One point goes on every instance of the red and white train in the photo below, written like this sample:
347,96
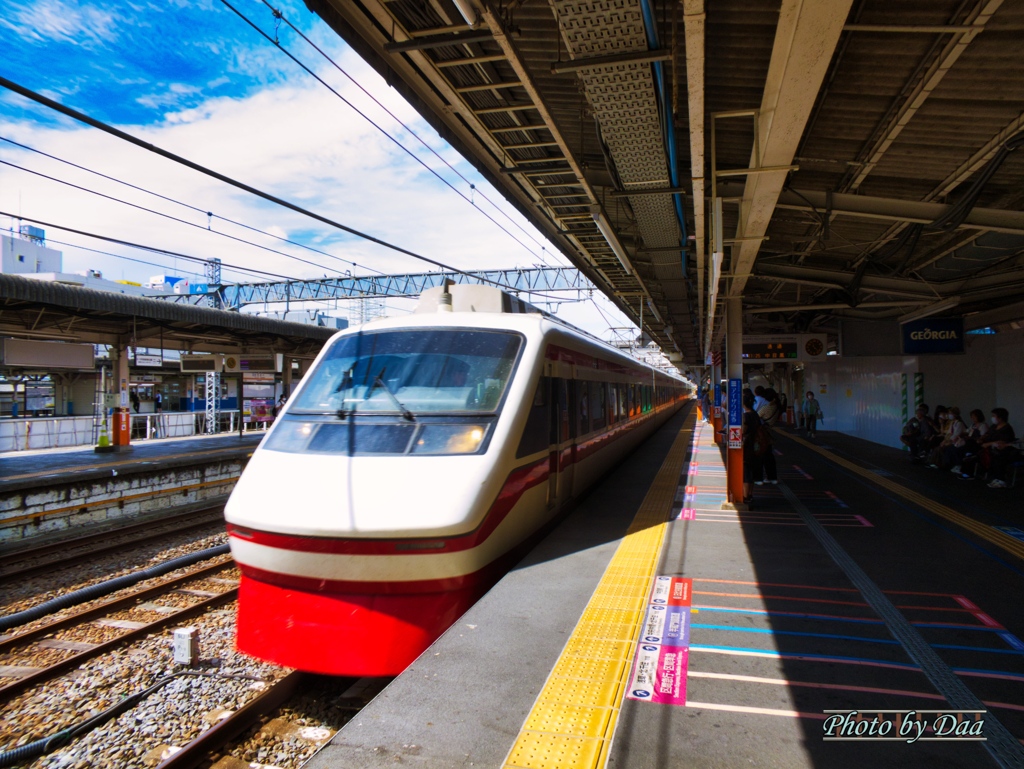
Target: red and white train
418,460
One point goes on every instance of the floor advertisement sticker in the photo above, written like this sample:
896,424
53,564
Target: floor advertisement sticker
659,671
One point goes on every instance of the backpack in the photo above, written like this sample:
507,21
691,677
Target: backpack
771,413
762,440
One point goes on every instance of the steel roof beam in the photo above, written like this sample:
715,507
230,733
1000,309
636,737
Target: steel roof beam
436,41
963,287
693,30
896,210
926,87
805,39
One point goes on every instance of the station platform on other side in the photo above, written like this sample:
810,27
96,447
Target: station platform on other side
20,470
656,627
57,494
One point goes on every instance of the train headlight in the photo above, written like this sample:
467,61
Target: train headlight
449,439
290,436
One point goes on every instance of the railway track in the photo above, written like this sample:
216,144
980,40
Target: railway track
270,728
40,642
43,558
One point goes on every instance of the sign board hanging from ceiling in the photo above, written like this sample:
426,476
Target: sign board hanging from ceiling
933,336
48,355
802,348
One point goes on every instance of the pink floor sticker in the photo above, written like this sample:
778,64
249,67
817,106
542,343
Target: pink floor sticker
659,675
659,671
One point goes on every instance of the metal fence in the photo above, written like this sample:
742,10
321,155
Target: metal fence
59,432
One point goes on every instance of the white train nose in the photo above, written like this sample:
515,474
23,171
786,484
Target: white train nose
340,496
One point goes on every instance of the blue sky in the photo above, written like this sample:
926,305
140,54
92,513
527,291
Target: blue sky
192,77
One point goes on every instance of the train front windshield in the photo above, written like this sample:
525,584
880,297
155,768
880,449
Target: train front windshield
412,373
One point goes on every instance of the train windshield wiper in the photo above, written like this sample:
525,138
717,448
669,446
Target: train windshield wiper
379,382
345,384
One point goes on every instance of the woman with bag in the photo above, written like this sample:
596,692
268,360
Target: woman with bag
769,414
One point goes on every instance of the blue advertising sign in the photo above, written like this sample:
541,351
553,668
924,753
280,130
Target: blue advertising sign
933,336
735,402
718,394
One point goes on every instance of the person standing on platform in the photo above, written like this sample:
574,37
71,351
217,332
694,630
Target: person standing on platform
752,470
158,406
759,399
133,396
811,410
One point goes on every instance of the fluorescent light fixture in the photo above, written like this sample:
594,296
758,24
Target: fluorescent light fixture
932,309
613,241
656,314
468,12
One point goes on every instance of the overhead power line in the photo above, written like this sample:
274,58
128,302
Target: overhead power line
152,249
370,120
186,205
278,14
162,214
109,129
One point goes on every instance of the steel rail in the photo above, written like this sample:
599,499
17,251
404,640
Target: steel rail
9,642
198,752
15,688
146,526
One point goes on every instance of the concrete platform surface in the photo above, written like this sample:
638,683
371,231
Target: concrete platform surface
859,582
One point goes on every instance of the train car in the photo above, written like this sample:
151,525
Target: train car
416,462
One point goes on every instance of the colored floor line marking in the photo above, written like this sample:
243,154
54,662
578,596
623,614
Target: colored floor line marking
756,711
887,641
826,601
840,687
841,618
576,712
984,531
740,651
963,600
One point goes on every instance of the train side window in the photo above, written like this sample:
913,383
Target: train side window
562,404
537,433
583,406
598,414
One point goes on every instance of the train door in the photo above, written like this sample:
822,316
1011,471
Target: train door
565,406
560,465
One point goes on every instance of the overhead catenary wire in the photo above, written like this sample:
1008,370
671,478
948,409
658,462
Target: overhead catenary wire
130,244
242,271
278,14
372,122
165,216
186,205
81,117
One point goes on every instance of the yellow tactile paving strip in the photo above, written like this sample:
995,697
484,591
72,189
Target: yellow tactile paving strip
573,719
996,537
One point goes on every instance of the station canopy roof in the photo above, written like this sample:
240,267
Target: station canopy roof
35,309
861,149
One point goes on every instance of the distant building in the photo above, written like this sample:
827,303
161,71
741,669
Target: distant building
29,256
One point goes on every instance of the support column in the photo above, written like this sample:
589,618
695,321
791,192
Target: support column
122,437
287,377
716,399
734,367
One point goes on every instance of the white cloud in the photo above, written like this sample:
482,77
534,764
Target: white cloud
60,21
299,143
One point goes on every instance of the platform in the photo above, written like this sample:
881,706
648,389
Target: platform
59,493
845,587
20,470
